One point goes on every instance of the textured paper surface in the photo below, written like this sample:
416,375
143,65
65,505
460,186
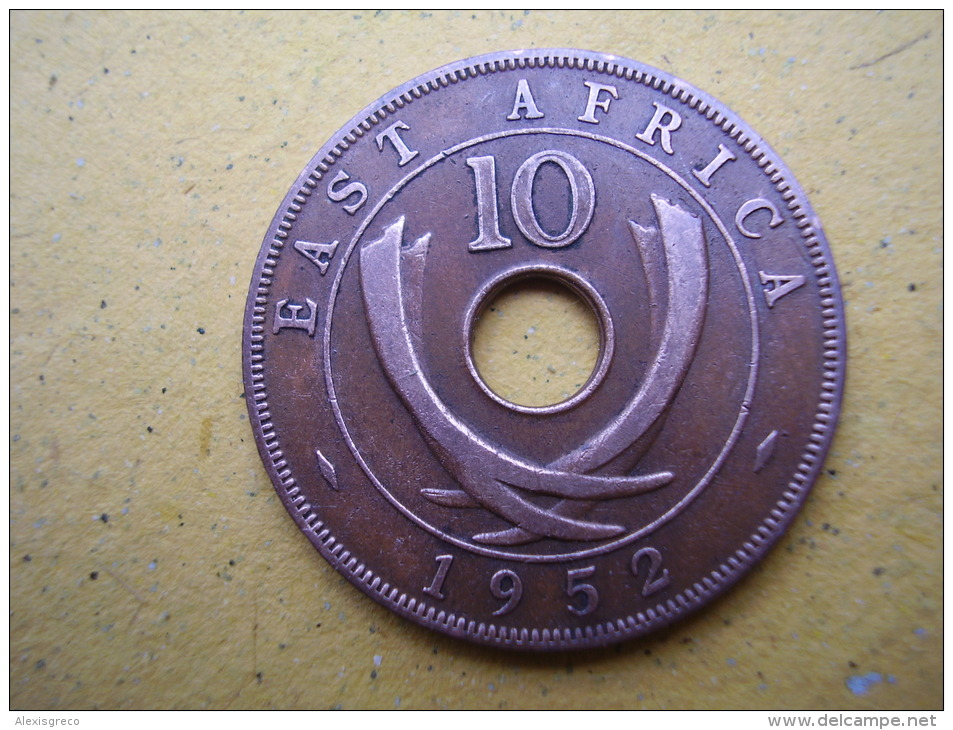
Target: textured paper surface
151,564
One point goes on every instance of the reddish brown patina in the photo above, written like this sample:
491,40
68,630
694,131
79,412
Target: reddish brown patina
707,415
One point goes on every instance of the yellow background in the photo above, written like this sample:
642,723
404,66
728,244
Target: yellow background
151,564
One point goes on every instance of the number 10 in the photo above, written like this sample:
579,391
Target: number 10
489,237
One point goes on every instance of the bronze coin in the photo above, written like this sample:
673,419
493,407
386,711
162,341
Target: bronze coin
709,409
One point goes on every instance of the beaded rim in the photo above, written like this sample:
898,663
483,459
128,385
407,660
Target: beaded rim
770,528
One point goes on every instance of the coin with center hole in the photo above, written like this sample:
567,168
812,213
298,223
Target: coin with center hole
658,474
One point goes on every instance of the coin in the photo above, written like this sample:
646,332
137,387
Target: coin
673,468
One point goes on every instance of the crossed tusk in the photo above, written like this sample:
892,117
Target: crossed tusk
490,477
684,257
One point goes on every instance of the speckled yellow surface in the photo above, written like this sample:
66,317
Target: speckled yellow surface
151,564
536,343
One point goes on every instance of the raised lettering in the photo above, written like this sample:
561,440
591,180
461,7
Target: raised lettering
488,209
435,588
665,128
594,101
506,586
583,199
295,321
780,285
319,254
392,135
654,580
586,590
524,102
341,193
750,207
723,157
